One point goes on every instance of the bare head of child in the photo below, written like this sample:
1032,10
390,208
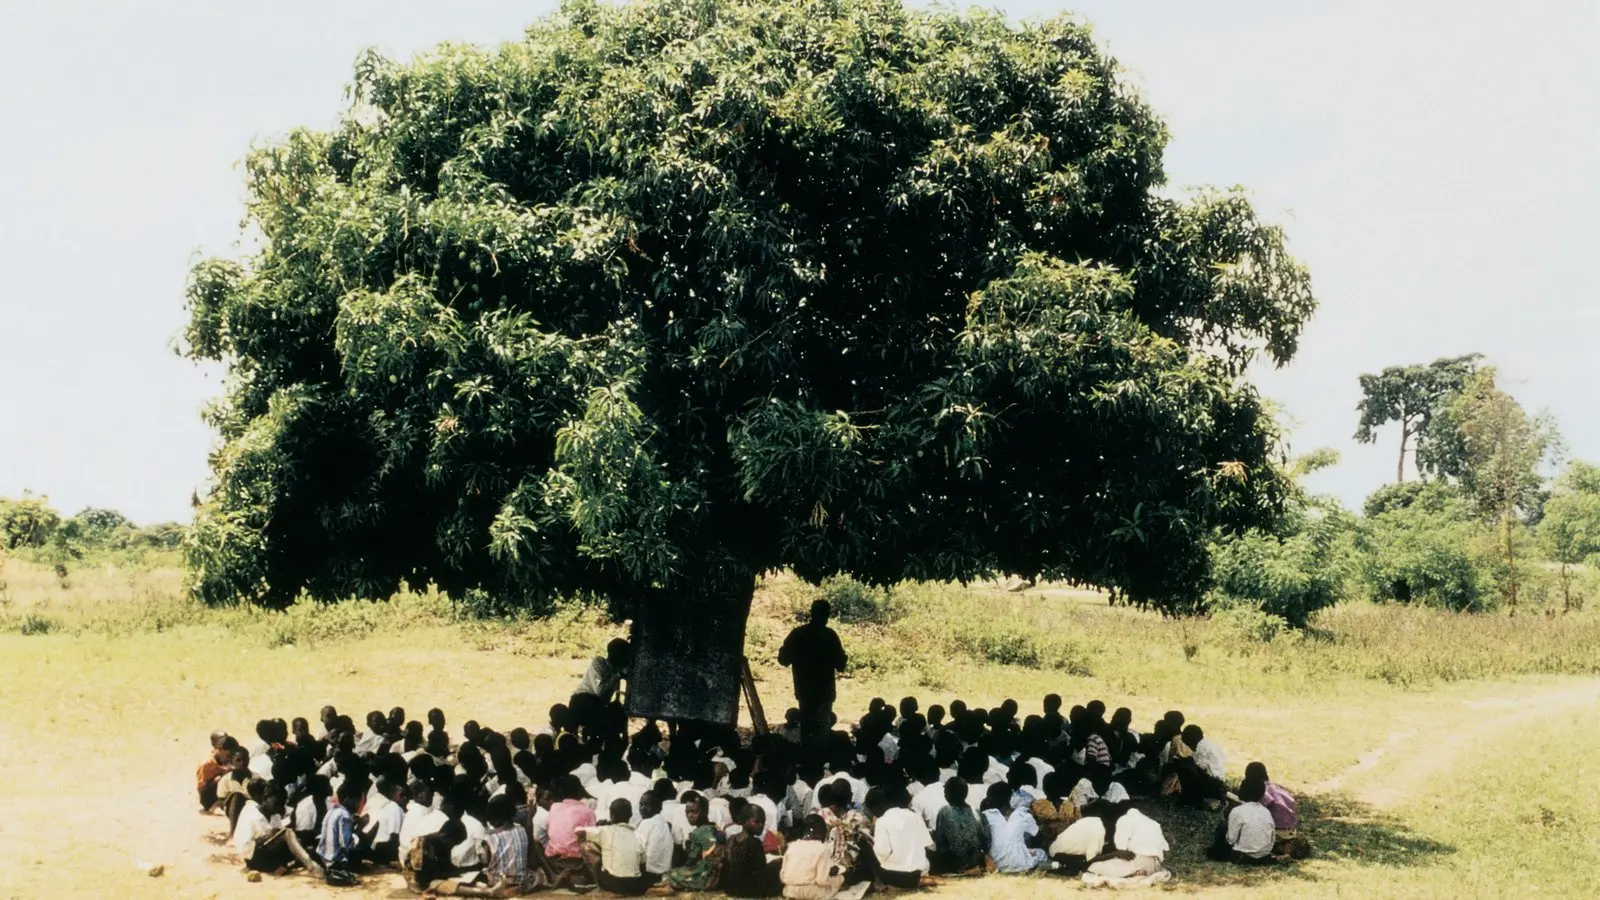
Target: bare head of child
351,794
500,811
754,820
695,809
621,811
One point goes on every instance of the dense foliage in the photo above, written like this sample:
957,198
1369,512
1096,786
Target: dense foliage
669,294
1303,567
1425,550
1414,396
28,521
1569,530
1288,572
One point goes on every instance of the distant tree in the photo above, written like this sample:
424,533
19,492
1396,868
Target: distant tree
1503,449
1412,396
160,536
67,545
669,294
1569,533
104,528
1391,497
29,521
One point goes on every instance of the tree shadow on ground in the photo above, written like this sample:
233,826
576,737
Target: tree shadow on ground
1340,829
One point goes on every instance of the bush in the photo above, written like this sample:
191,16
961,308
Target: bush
1005,643
853,603
1427,554
28,522
1242,626
32,624
1014,642
1288,576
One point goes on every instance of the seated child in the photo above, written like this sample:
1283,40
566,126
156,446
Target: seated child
1248,835
614,854
655,836
746,870
1197,764
1140,850
1285,811
208,773
960,836
563,847
901,841
515,865
379,839
260,838
309,809
1009,831
700,848
808,871
421,819
337,842
1081,842
232,787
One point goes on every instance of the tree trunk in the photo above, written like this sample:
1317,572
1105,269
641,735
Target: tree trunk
1566,587
1511,564
1405,438
688,651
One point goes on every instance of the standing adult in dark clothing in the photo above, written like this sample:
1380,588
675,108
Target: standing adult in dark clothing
815,655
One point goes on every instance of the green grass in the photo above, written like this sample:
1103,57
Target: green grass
1437,754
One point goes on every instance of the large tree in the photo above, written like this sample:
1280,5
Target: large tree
1504,448
668,294
1413,397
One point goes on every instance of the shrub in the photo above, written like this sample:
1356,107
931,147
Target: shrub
853,602
32,624
1288,576
1005,643
1242,626
872,658
27,522
1427,554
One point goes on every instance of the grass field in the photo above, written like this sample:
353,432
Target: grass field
1437,755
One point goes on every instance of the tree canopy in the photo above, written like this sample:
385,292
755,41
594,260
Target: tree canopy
1414,396
1569,531
1503,448
668,294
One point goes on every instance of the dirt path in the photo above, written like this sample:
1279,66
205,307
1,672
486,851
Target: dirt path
1402,766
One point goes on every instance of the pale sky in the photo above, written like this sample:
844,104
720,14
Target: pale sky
1433,162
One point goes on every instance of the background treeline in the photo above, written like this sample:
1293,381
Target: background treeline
32,529
1494,519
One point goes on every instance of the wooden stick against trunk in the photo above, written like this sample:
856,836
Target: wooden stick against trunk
758,718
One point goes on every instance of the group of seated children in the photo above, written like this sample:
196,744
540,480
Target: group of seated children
902,797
